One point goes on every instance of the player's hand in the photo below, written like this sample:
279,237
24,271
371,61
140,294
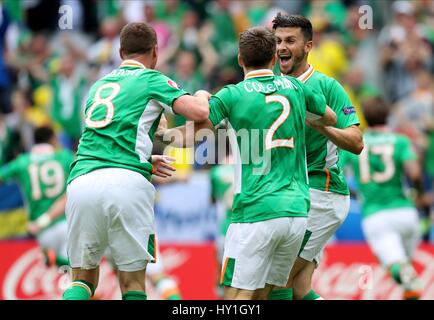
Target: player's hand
203,93
162,127
33,228
161,166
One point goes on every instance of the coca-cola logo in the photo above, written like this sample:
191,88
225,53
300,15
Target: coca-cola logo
347,279
28,277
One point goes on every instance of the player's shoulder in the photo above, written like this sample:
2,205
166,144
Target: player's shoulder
323,79
402,138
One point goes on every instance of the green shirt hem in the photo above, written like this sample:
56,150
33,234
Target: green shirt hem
268,217
77,171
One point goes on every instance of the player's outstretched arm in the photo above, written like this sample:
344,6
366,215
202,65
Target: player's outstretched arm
350,139
195,108
55,211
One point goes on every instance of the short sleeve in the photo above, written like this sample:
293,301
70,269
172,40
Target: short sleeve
341,104
10,170
219,106
405,150
315,101
164,90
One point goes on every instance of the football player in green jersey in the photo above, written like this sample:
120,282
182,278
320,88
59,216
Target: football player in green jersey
110,199
328,189
271,196
390,220
42,175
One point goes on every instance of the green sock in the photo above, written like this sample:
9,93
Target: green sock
395,272
134,295
62,261
281,294
79,290
311,295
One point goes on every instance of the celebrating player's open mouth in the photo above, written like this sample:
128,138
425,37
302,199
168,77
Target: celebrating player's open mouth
284,59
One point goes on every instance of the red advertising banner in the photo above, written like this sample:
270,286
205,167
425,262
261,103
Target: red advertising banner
351,272
24,276
347,271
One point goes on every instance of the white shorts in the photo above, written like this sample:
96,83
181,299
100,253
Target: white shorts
261,253
328,211
111,208
393,234
55,238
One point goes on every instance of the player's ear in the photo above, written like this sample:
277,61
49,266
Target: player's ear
308,46
240,61
121,54
155,51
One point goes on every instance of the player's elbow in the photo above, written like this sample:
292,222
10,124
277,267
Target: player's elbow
358,147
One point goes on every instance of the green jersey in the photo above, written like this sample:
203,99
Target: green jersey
322,154
379,169
42,175
267,113
122,112
67,101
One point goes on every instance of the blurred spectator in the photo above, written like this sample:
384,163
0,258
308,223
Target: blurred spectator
68,85
223,34
105,52
188,76
399,58
4,73
171,11
20,120
413,115
328,55
42,15
362,48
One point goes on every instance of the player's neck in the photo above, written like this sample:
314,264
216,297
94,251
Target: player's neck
382,128
42,148
253,71
143,61
302,69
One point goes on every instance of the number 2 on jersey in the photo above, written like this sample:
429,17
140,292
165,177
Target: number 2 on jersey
107,102
278,143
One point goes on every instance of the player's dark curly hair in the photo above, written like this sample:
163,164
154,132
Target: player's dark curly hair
294,21
257,47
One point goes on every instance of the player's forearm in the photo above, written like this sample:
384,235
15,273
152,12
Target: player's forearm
349,139
58,208
184,136
328,119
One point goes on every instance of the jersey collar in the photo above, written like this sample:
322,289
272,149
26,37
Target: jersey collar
132,63
305,76
259,73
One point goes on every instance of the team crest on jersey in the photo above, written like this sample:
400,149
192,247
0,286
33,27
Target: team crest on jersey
349,110
173,84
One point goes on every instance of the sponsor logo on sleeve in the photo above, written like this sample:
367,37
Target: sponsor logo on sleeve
349,110
173,84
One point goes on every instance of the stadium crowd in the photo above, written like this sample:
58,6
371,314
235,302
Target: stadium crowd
47,68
